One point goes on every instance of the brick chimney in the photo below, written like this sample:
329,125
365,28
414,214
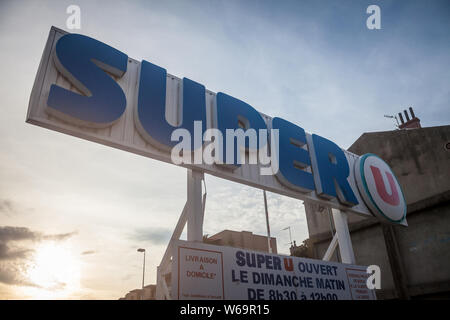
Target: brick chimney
412,123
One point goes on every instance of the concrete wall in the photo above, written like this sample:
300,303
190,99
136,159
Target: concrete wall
421,162
369,247
425,246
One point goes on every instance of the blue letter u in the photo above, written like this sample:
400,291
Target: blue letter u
150,114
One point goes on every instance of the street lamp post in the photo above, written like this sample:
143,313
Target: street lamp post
143,271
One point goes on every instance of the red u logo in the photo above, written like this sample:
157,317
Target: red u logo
392,198
288,264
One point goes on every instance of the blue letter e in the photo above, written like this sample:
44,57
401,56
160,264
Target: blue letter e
81,60
331,170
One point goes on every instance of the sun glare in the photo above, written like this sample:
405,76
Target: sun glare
55,272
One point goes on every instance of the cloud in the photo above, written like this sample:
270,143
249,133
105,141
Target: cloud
152,235
14,255
59,237
6,253
88,252
8,233
13,274
7,207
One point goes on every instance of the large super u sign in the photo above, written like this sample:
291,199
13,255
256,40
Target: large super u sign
304,163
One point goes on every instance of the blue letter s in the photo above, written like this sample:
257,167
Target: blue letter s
81,60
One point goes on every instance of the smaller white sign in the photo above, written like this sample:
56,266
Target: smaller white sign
201,271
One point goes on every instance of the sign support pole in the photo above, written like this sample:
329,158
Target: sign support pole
194,206
192,215
343,236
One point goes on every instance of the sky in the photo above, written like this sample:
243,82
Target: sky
73,213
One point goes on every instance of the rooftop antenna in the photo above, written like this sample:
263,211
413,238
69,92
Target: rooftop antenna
393,117
290,235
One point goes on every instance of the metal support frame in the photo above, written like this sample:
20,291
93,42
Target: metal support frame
329,253
192,214
194,206
341,238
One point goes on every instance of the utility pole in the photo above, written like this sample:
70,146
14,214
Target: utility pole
267,223
143,272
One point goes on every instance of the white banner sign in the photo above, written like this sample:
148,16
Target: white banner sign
90,90
201,271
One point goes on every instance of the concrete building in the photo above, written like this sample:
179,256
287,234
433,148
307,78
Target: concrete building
414,260
243,239
148,293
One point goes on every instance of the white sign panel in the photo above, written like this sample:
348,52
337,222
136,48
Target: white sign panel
201,271
90,90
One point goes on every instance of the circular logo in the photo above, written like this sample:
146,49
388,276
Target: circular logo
447,146
380,189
